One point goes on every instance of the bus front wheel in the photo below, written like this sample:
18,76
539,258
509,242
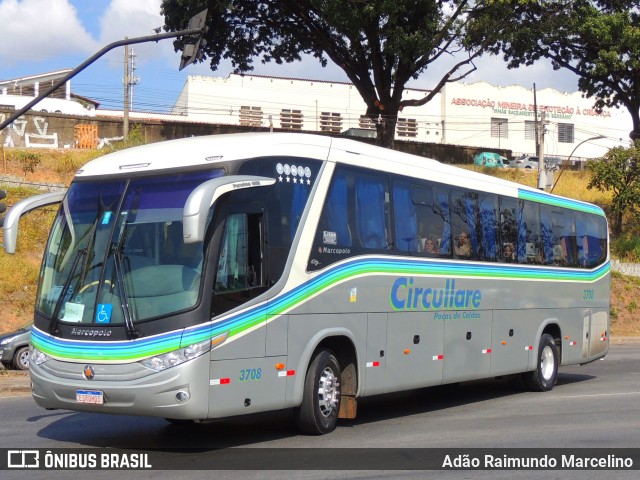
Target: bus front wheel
543,378
318,413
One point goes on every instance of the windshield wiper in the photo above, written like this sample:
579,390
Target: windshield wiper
124,299
84,253
118,262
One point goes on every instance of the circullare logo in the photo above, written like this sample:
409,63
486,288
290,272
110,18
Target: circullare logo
407,296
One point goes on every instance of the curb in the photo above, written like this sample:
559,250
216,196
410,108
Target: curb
13,383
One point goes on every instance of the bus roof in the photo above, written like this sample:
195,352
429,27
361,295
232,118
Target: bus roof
209,150
206,150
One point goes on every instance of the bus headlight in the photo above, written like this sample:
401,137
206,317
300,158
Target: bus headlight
171,359
36,357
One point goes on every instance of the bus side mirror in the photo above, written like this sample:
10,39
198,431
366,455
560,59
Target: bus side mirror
196,209
10,225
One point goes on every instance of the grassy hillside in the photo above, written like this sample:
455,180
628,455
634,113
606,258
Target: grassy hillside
19,272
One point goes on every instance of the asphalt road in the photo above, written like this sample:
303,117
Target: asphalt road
595,405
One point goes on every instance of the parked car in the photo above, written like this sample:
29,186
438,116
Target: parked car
14,348
526,161
489,159
531,162
360,132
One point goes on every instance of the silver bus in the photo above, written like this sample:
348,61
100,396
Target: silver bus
217,276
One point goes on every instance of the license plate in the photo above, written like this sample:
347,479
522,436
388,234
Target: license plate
90,396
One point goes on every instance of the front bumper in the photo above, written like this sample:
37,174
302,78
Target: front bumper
128,389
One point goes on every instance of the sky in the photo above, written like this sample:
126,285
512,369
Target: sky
41,36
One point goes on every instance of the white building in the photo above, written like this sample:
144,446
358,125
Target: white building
483,115
477,115
17,92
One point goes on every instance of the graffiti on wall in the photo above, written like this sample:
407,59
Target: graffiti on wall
30,133
36,132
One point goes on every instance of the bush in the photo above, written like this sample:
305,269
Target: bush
27,159
135,138
18,289
626,249
71,160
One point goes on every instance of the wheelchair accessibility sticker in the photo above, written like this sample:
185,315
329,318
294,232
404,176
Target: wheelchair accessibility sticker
103,315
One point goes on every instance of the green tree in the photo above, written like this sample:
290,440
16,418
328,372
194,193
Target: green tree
597,40
28,160
619,172
380,44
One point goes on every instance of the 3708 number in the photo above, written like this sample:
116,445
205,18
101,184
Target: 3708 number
588,294
247,374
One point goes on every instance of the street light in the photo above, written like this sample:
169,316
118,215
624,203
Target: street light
597,137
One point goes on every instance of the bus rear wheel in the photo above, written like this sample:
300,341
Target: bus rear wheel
318,413
543,378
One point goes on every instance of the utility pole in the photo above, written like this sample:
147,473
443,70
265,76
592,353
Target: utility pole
129,80
542,174
133,80
125,100
535,117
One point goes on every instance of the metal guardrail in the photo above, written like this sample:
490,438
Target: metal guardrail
17,182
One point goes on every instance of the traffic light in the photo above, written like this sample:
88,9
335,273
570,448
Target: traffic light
3,206
192,51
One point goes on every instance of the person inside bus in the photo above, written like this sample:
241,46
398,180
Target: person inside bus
509,253
429,245
462,246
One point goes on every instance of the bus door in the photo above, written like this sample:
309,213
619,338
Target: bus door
240,273
243,378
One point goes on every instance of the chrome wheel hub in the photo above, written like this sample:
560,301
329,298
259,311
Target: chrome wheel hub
547,363
328,392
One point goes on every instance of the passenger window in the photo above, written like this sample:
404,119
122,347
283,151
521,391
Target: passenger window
548,244
529,233
355,217
509,229
371,201
464,217
488,226
558,238
432,214
336,229
591,238
407,235
567,234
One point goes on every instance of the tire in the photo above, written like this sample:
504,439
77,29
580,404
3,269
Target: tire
543,378
21,359
318,413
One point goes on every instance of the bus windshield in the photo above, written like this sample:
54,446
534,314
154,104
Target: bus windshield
116,253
